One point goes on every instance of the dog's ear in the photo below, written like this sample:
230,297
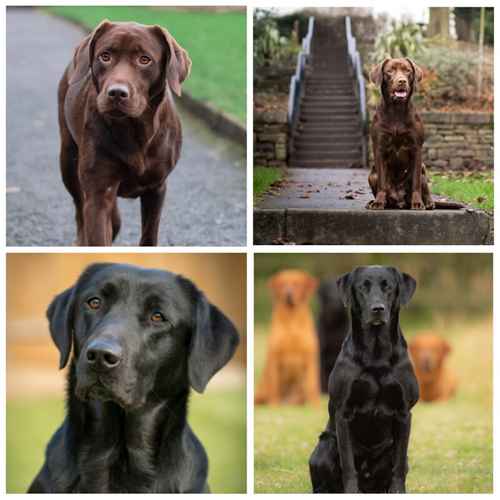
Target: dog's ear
60,316
177,60
213,343
84,53
407,287
377,73
417,73
446,348
344,285
311,284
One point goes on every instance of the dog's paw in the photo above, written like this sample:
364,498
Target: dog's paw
351,486
397,486
416,202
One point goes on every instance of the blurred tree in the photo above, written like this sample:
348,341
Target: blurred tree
467,24
439,22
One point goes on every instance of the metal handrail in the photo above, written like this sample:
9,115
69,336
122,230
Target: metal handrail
357,66
296,80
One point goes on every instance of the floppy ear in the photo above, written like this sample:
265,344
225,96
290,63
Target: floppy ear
417,72
84,53
344,284
377,73
60,316
177,63
213,343
407,286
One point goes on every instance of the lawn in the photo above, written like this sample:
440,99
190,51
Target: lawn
451,445
475,189
220,427
263,178
216,42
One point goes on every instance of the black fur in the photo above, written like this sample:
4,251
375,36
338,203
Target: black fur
126,427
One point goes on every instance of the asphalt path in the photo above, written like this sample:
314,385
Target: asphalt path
206,200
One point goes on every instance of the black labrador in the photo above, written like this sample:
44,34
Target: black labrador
141,338
372,390
332,327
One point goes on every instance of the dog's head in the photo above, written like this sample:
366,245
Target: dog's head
428,352
292,287
374,293
397,79
138,334
131,65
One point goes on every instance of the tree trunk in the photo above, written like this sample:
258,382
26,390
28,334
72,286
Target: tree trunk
439,22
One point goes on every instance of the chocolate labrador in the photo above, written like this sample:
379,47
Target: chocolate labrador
372,389
140,339
120,132
398,178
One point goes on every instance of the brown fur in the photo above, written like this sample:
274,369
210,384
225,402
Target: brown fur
120,142
291,372
437,382
398,178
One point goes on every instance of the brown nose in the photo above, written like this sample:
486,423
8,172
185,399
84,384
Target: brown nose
118,92
402,81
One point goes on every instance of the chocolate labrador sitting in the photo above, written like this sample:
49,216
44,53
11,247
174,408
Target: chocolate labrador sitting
372,389
120,133
398,178
141,338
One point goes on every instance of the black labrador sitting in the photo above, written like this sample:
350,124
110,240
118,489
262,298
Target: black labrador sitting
372,390
140,339
332,327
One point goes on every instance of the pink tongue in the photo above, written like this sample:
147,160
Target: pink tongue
400,94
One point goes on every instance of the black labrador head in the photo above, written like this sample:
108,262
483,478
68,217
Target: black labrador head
130,65
373,293
138,334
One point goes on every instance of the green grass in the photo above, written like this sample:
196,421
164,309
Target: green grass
475,189
216,42
218,419
451,444
263,178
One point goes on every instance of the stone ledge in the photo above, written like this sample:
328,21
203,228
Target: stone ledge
364,227
469,118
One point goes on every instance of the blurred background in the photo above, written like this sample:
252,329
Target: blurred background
35,386
453,299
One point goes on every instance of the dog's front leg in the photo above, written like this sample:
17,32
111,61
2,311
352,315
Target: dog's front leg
151,207
381,196
416,184
346,455
401,430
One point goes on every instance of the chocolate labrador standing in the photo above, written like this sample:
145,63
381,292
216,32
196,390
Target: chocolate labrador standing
140,338
372,390
120,133
398,178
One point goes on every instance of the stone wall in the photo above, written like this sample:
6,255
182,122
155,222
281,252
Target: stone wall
458,140
270,130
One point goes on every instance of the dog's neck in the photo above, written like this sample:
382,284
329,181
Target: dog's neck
396,112
111,437
374,345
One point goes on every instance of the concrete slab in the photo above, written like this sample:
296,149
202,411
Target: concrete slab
327,207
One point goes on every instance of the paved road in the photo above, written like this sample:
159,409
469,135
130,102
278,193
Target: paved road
206,201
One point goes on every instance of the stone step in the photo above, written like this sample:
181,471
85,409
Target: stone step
328,109
325,119
328,145
324,163
331,154
310,130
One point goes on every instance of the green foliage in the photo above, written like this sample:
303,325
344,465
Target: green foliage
472,15
403,40
263,178
473,189
216,42
217,417
270,47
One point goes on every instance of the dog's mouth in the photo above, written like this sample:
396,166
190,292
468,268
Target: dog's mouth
99,391
400,95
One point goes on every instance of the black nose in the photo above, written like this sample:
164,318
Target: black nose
118,92
378,308
103,354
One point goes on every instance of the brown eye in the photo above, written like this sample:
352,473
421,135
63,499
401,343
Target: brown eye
144,60
94,303
105,57
157,317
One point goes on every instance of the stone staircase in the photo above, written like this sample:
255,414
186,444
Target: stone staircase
328,132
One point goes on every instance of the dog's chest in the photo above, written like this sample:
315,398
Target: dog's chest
396,143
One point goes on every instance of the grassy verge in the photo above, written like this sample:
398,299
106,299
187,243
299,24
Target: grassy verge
220,427
263,178
475,189
451,445
216,42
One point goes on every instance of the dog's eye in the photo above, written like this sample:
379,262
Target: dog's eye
105,57
157,317
144,60
94,303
